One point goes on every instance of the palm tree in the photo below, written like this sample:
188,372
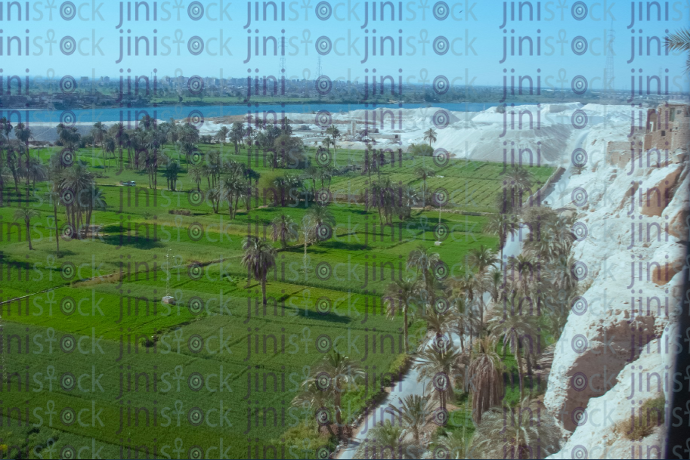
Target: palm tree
321,215
560,274
307,229
413,412
503,432
26,215
502,225
196,173
471,285
341,371
680,41
423,173
171,173
386,440
401,293
313,397
259,257
485,374
494,284
222,134
79,182
439,366
284,229
528,272
464,319
424,262
514,328
35,172
430,135
518,177
454,443
440,323
54,196
481,258
327,142
23,134
516,181
13,152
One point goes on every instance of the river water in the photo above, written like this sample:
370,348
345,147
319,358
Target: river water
131,114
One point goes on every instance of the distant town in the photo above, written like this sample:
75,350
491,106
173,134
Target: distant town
142,91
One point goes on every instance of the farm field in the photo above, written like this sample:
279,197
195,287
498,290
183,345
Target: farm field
90,344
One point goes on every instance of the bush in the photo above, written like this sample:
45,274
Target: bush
180,212
650,415
305,437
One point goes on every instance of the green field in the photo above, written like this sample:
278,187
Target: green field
106,289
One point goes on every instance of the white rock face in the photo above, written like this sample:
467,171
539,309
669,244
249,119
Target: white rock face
622,330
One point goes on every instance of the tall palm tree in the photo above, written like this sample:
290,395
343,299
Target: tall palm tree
321,215
307,229
222,134
23,134
78,183
516,181
259,257
440,323
471,285
341,371
313,397
13,153
502,225
494,284
439,366
196,173
485,376
399,296
284,229
463,319
423,173
424,262
54,197
430,135
26,215
528,271
514,328
680,41
327,142
171,174
109,146
413,412
482,258
504,433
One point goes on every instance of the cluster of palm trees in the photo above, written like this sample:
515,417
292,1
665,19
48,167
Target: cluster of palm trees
495,305
71,185
15,158
259,255
331,140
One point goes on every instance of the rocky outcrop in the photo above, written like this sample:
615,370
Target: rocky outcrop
615,346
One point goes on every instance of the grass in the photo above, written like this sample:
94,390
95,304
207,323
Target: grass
104,293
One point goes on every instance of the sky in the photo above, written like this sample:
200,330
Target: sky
475,33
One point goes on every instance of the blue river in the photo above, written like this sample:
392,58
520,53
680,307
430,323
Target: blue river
131,114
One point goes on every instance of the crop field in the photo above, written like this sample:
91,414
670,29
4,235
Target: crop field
106,367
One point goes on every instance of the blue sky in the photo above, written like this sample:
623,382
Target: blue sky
472,29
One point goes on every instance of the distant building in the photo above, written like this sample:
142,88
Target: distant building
668,127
